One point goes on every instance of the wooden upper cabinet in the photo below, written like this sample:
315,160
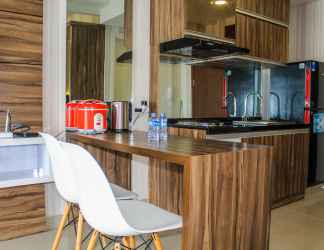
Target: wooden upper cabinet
275,9
20,38
27,7
21,93
264,39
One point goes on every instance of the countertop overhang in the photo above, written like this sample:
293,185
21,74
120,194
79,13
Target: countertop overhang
176,149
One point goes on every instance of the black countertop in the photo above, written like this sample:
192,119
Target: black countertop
226,126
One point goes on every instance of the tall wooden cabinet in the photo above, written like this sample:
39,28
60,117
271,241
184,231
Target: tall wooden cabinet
86,59
22,209
21,24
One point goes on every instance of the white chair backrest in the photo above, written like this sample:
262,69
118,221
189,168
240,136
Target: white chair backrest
63,173
96,198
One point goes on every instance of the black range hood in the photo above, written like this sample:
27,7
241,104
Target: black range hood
190,49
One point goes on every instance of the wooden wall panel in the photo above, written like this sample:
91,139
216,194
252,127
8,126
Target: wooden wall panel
21,92
264,39
290,165
21,38
87,62
22,211
28,7
276,9
116,165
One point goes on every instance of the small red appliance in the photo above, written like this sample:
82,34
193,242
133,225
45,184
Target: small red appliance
92,116
71,115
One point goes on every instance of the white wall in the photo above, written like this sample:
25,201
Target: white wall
140,86
306,30
113,9
54,78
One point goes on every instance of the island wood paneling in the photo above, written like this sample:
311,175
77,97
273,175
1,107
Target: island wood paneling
27,7
188,132
20,38
276,9
22,211
116,165
290,165
86,76
225,191
21,93
264,39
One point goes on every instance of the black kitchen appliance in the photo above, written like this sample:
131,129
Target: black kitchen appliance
307,101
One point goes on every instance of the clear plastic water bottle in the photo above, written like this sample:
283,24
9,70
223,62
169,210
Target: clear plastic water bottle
163,127
156,128
150,133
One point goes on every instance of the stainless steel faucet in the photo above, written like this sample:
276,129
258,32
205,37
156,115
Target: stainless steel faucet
278,100
257,95
8,121
230,94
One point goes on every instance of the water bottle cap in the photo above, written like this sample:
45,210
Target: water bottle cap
162,114
153,114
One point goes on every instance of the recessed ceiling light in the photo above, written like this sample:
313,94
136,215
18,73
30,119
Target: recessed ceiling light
218,2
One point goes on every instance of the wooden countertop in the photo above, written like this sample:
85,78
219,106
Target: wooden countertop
177,149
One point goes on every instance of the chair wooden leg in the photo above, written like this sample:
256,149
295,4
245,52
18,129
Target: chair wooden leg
157,241
79,232
126,241
117,246
60,228
132,243
93,241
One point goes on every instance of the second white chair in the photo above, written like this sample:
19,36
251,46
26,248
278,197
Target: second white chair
118,218
62,156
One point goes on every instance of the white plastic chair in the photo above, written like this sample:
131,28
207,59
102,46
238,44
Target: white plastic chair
127,218
64,176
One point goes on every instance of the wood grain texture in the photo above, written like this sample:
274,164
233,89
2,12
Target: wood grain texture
207,92
264,39
290,166
28,7
187,132
21,92
87,61
276,9
128,23
21,38
227,201
22,211
221,189
116,165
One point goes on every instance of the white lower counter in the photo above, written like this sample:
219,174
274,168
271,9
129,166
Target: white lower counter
23,161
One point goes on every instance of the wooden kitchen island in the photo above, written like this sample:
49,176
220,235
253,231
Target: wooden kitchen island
221,189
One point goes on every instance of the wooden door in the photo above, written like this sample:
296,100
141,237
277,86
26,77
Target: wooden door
87,61
207,92
26,7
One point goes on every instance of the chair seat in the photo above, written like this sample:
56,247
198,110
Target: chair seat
122,193
147,218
